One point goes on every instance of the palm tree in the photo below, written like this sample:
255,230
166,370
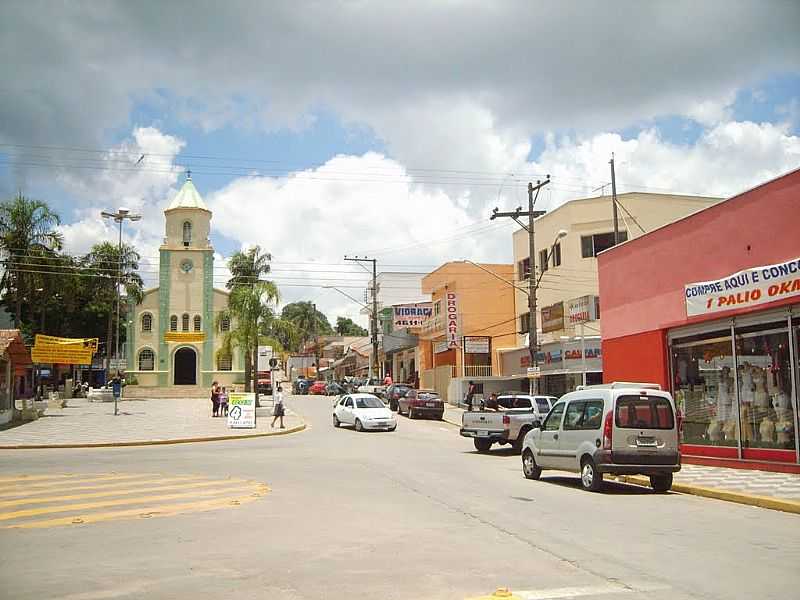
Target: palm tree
26,225
103,262
248,266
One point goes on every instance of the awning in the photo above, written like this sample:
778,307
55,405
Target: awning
12,345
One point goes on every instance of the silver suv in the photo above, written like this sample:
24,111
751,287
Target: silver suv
617,428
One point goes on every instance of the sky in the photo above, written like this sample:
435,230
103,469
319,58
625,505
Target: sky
387,129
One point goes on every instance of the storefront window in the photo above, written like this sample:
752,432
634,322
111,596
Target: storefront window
765,386
704,391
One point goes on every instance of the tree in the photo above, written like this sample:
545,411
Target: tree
346,326
250,305
26,226
308,323
103,263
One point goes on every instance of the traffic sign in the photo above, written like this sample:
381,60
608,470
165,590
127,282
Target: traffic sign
534,372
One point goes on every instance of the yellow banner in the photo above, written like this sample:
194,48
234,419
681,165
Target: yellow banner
184,336
65,354
47,341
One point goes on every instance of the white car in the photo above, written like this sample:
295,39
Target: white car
363,411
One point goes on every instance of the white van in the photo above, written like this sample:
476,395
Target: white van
619,428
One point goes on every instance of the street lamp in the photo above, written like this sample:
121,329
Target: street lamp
118,217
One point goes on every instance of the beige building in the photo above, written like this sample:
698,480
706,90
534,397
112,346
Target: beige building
174,337
569,285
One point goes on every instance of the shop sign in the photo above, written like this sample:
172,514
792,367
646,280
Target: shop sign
264,354
581,310
411,315
476,344
451,314
242,410
534,372
750,287
553,317
439,347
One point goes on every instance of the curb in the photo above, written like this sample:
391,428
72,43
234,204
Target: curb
788,506
219,438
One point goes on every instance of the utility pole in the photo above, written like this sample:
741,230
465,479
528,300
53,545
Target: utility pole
316,339
373,322
533,282
614,200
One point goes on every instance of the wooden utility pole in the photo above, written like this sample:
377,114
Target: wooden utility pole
614,200
373,322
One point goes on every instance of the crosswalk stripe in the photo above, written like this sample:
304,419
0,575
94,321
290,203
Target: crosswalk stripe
26,492
6,516
21,482
122,492
150,511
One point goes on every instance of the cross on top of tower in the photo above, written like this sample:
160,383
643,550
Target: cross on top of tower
188,174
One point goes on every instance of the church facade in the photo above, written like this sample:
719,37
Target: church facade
175,335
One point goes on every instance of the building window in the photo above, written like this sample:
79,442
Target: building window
197,322
525,323
187,233
147,322
592,245
524,269
543,260
437,307
147,360
557,254
225,323
173,323
224,362
185,322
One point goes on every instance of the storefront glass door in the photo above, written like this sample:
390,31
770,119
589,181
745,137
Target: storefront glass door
767,416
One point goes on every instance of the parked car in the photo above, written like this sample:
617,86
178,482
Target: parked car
318,388
363,411
419,403
618,428
517,414
373,386
301,385
394,392
334,389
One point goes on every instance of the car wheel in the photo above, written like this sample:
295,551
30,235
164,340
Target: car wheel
336,421
482,445
393,428
520,439
529,467
591,479
410,413
661,483
359,425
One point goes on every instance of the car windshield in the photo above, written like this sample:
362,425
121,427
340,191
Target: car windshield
544,405
428,396
635,412
368,403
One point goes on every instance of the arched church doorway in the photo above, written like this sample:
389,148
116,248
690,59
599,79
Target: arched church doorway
185,372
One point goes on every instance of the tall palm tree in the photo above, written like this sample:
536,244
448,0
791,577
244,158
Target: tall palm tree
103,261
26,225
248,266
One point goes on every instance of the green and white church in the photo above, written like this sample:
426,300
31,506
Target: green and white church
174,336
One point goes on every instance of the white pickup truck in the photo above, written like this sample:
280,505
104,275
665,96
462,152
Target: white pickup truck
517,414
373,386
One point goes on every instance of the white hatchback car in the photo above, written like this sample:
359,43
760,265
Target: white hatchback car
363,411
618,428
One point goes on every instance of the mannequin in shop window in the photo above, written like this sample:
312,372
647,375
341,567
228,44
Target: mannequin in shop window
719,426
746,396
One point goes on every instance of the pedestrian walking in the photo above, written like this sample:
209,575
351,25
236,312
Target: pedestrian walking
214,399
278,409
223,402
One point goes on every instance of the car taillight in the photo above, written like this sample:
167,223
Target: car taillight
608,430
506,421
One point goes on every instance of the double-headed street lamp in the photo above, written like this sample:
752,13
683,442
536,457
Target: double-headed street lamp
118,217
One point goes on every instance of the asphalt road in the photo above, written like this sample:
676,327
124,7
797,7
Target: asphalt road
404,515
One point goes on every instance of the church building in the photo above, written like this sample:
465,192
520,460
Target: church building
174,335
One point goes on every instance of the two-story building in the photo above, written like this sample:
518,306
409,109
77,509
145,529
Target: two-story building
569,309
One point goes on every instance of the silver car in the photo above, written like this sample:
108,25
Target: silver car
616,428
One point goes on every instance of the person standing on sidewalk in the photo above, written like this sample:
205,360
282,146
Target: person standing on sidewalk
470,394
214,399
278,410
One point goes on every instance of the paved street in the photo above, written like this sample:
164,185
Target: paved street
331,513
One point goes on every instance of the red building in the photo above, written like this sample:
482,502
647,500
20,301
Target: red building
709,307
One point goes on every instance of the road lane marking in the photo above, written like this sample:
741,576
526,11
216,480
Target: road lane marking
123,492
141,495
593,590
21,482
166,510
65,487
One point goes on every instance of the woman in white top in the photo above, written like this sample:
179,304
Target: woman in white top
278,410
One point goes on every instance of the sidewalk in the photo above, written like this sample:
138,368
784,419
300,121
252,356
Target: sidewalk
779,491
140,422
